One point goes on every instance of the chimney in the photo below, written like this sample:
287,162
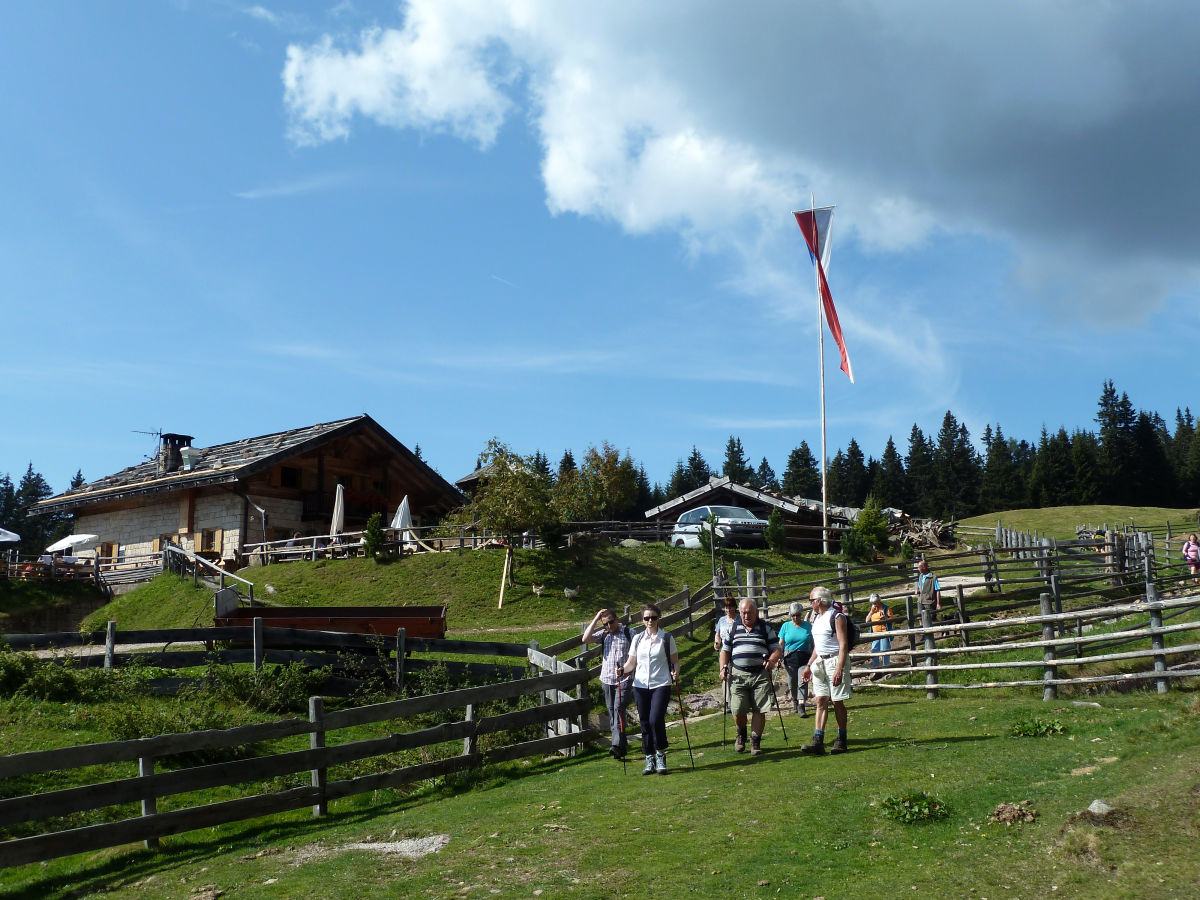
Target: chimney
169,456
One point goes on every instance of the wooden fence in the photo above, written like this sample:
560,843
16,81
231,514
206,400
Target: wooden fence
560,713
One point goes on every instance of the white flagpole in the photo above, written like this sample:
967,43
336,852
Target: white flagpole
821,368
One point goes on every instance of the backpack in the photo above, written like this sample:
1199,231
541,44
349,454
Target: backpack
852,630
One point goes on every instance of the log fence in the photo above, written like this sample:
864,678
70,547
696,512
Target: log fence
561,715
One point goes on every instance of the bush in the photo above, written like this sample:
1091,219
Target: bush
373,537
706,533
855,547
776,534
272,689
1037,727
65,681
915,808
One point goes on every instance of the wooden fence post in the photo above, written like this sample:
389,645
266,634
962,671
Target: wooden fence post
762,586
150,803
688,601
987,570
110,644
258,643
843,570
737,572
400,651
316,741
996,570
931,677
470,742
1162,685
960,602
750,573
908,623
1049,670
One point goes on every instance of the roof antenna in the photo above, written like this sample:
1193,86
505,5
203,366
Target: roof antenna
158,442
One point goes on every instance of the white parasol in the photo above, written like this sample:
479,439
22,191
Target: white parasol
402,522
70,541
6,535
339,512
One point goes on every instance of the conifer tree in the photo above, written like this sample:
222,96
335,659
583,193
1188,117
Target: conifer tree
735,467
888,483
802,478
765,477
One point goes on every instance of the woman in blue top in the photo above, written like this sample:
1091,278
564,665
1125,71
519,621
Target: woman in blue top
654,662
796,637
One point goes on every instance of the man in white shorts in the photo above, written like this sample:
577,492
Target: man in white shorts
825,669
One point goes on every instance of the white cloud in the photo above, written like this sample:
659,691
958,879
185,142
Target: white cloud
302,186
1064,131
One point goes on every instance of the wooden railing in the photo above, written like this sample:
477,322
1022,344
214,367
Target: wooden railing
561,715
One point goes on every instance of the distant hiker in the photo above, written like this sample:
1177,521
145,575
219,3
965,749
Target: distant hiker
721,632
654,662
616,639
795,636
1191,555
879,617
929,594
828,670
748,656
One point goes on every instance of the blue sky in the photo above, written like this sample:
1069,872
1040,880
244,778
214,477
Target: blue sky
561,223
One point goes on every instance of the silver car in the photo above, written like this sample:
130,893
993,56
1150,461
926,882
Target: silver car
736,527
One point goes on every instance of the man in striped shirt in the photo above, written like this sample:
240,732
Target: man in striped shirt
749,654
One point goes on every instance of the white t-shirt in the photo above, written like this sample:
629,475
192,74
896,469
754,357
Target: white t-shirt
653,655
824,636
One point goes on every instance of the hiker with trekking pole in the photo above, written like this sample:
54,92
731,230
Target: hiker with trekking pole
615,639
749,654
828,669
654,662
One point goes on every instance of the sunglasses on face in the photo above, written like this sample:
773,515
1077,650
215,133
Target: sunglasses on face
649,618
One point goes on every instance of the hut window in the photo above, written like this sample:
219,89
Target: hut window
289,477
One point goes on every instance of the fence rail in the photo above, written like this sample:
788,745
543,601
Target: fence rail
561,714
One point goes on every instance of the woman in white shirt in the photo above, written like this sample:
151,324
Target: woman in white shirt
654,662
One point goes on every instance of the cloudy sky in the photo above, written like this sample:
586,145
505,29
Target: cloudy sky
561,223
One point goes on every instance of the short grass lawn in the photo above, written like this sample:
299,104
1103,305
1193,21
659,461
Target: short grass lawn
779,825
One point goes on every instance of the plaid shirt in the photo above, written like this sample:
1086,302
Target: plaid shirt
615,652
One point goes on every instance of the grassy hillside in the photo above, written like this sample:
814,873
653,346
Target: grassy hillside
467,582
18,598
1060,521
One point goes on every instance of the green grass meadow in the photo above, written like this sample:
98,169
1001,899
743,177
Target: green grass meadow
781,825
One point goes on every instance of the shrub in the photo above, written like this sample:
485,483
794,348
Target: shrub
705,535
26,675
373,537
776,534
272,689
192,710
906,550
1037,727
914,808
854,546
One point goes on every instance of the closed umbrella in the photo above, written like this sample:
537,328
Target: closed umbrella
402,522
6,535
339,512
70,541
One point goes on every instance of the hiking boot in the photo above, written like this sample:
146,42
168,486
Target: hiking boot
803,712
649,770
755,745
815,747
660,763
739,744
838,745
796,707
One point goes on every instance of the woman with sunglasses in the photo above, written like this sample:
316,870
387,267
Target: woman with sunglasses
654,662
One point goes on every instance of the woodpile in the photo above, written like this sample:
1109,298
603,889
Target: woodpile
922,534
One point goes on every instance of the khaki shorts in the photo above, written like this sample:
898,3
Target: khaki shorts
822,679
750,693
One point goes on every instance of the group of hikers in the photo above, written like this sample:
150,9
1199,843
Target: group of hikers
813,648
814,651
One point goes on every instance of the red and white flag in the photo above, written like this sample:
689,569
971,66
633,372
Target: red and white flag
815,224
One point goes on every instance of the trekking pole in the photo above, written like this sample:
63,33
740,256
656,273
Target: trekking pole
683,715
725,713
775,697
621,720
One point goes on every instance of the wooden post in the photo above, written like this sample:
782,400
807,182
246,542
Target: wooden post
987,570
96,568
110,644
316,741
750,587
149,803
470,742
843,570
400,651
737,572
908,623
1049,670
762,586
688,601
258,643
960,602
996,570
931,677
1161,685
